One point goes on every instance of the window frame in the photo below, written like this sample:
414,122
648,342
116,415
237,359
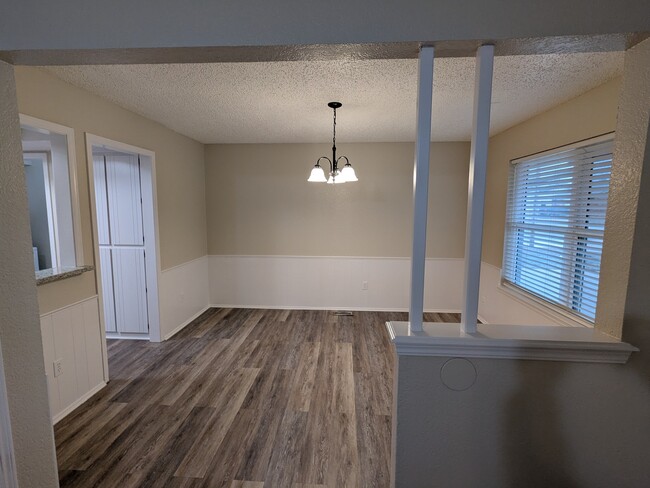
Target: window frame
530,298
40,124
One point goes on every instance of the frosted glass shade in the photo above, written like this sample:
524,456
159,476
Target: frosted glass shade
335,179
348,174
317,175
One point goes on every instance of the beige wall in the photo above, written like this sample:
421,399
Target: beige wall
179,172
591,114
626,190
260,203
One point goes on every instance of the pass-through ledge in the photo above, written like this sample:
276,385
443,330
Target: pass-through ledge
548,343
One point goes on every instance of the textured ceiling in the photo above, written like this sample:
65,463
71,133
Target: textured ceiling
287,101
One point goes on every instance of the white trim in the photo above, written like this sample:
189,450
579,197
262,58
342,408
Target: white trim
348,309
110,144
77,403
133,337
567,147
292,256
152,246
72,175
188,322
74,304
95,231
50,205
547,343
182,264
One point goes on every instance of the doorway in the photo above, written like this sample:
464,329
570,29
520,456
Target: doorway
125,229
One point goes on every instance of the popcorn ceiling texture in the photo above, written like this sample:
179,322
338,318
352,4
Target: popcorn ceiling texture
285,102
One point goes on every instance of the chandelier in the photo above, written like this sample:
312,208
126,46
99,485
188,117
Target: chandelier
336,176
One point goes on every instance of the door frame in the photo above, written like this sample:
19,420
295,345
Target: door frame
150,227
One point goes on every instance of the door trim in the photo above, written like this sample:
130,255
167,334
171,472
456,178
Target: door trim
150,221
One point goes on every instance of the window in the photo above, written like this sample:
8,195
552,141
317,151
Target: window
555,221
48,156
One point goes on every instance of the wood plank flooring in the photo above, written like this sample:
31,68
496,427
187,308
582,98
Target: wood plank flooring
241,398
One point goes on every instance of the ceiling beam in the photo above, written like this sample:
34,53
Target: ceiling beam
321,52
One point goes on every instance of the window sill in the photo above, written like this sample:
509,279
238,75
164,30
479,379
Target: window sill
56,274
546,343
545,308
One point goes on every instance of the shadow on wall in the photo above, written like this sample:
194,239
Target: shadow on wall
610,417
534,445
636,322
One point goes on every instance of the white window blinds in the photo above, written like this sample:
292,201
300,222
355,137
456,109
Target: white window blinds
555,222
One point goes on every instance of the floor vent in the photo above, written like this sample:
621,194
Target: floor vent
343,313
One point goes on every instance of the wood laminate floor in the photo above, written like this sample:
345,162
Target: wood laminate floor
241,398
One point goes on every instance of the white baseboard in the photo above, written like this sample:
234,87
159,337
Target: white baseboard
84,398
350,309
353,309
129,337
186,323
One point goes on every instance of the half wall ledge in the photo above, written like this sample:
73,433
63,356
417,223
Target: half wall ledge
546,343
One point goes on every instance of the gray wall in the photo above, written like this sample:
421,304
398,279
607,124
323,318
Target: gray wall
524,424
20,331
534,423
153,23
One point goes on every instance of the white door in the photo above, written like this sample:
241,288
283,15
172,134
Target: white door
121,243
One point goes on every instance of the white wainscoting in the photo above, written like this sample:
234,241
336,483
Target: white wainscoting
316,282
184,295
72,334
335,283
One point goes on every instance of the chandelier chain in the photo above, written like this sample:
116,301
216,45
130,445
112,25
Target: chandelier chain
334,130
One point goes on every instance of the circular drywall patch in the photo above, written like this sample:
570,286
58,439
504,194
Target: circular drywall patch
458,374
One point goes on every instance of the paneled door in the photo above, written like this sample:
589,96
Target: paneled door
121,243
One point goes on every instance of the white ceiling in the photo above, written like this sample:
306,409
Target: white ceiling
287,101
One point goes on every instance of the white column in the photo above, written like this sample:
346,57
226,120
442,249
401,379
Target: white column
421,186
476,189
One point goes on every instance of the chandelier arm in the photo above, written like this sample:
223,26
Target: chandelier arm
328,160
343,157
